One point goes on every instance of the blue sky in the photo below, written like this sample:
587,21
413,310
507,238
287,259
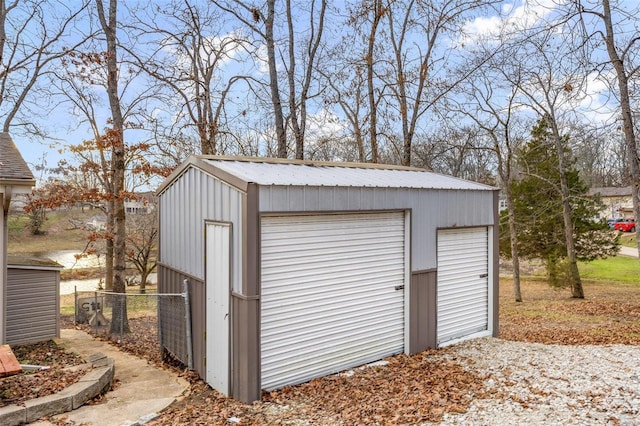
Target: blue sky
65,129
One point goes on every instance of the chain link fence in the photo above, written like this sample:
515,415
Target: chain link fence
141,329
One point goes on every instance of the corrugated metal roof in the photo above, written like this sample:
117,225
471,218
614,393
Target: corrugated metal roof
336,174
12,165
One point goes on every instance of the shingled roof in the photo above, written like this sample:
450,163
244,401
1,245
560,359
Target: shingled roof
13,168
610,191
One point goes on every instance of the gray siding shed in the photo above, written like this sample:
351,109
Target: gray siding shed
33,300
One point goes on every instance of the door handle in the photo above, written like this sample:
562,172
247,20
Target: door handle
399,287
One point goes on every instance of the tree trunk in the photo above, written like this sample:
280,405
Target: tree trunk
373,116
119,322
575,282
108,279
626,112
513,239
291,78
273,81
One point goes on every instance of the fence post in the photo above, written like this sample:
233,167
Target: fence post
187,313
122,310
159,323
95,310
75,305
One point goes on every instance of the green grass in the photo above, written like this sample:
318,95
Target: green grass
628,239
17,224
58,234
620,268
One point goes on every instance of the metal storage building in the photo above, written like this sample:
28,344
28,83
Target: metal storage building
299,269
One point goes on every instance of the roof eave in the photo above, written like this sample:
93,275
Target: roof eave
206,167
27,183
346,164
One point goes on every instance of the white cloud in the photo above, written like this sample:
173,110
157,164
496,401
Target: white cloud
220,50
325,124
596,103
514,17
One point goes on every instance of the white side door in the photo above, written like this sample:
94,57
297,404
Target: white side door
218,288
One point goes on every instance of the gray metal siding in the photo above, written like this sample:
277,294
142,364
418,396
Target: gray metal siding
33,305
171,281
422,305
185,205
431,209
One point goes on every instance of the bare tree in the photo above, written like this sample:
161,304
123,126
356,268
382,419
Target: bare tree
142,240
375,11
298,102
347,91
551,80
614,27
496,115
108,22
263,24
415,32
33,34
186,50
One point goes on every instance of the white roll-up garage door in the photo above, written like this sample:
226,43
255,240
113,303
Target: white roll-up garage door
332,293
463,291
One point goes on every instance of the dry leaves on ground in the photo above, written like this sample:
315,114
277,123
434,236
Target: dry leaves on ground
601,319
407,390
28,385
410,389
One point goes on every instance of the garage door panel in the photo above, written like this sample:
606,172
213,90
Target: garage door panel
382,248
328,298
305,372
279,316
317,318
308,357
328,282
358,299
330,336
462,290
320,270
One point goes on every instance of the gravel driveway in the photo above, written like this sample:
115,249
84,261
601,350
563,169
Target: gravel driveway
538,384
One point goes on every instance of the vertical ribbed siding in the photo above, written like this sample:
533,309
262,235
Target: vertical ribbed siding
463,298
430,209
171,337
185,205
32,305
329,299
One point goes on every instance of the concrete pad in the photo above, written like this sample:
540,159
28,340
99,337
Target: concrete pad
142,389
628,251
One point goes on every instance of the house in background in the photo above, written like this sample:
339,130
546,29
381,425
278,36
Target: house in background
141,203
15,178
618,202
